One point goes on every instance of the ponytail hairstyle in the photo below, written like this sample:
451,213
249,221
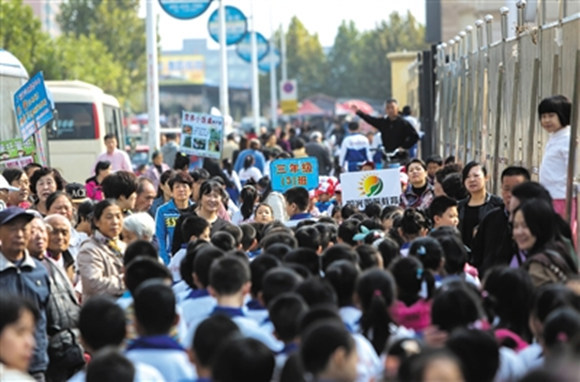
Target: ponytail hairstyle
248,161
428,251
409,276
376,291
248,197
412,222
560,329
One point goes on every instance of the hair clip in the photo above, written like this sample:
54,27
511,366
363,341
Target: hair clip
562,337
419,273
377,293
421,251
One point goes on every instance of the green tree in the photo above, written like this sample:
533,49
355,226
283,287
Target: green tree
117,26
21,34
343,62
306,61
397,34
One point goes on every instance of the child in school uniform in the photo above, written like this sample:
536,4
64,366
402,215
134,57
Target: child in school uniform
155,314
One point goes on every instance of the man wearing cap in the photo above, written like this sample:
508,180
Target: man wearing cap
5,187
23,275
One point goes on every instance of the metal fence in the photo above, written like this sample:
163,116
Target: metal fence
487,92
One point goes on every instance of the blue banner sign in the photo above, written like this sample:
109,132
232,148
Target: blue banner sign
32,105
294,172
244,47
184,9
236,25
264,65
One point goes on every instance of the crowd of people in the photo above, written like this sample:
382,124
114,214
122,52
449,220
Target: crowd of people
206,273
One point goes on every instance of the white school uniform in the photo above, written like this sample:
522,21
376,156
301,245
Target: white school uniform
198,304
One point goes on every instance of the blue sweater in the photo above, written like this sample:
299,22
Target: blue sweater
165,222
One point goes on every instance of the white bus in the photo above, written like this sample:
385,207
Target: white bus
85,114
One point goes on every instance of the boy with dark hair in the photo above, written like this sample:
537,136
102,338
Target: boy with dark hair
102,324
199,303
346,232
243,359
354,150
139,248
229,283
155,315
434,163
224,241
121,186
342,275
258,268
297,200
277,281
309,237
306,257
443,212
249,240
285,312
193,228
110,365
212,334
236,233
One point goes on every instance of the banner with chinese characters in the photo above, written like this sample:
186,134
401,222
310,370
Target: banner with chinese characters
202,134
363,187
294,172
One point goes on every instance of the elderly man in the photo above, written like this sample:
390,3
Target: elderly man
146,194
64,351
316,149
59,236
23,275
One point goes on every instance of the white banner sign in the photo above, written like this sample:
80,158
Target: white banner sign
363,187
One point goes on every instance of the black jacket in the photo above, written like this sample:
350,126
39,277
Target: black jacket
395,133
492,244
321,153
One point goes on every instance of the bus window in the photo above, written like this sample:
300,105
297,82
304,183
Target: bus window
75,121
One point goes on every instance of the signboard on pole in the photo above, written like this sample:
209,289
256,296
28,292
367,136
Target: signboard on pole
18,153
184,9
294,172
32,105
244,47
236,25
289,96
202,134
363,187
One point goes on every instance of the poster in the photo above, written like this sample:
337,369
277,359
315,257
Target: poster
363,187
32,105
202,134
16,153
294,172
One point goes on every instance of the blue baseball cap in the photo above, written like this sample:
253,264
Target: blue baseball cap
11,213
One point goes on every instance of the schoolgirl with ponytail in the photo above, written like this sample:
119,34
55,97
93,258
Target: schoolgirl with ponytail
249,198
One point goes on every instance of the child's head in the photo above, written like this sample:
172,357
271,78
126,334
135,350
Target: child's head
454,253
154,304
376,292
277,281
338,252
223,240
561,327
316,291
110,365
243,359
209,336
342,275
17,328
297,199
547,299
229,276
144,268
409,275
195,227
309,237
102,323
264,213
413,224
478,352
139,248
204,258
258,268
554,112
431,365
249,235
285,312
328,352
443,211
456,305
429,252
304,256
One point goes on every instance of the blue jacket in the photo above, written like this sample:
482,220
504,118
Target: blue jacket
259,160
29,279
165,222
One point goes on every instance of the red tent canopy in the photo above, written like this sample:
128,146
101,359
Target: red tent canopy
362,105
309,108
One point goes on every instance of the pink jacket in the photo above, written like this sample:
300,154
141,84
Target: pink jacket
94,191
416,316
